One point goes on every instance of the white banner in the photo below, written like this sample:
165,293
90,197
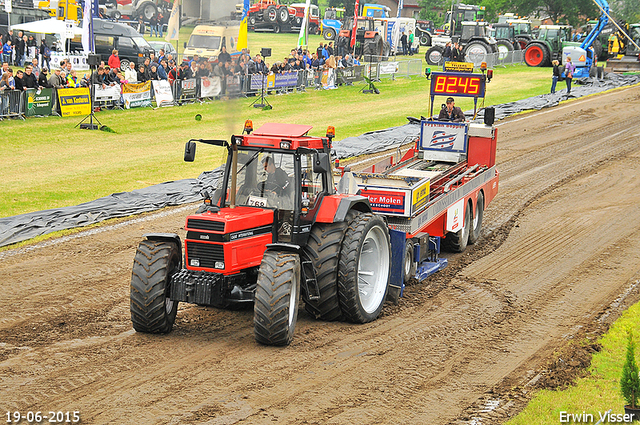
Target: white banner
210,86
107,94
388,67
136,95
162,92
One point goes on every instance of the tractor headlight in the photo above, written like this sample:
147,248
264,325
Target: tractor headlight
194,262
219,265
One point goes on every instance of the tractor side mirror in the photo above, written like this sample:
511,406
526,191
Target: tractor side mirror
321,163
190,151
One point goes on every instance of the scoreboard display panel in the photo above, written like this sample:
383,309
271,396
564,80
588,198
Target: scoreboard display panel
457,84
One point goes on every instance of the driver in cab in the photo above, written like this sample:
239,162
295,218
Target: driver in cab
277,179
451,112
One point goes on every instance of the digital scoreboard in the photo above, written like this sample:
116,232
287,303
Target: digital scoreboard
457,84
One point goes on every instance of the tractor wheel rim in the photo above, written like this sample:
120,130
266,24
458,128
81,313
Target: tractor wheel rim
372,269
292,302
407,264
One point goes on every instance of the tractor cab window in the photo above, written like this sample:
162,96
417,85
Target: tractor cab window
504,32
265,179
312,183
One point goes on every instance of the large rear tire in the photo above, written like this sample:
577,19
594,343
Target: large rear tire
476,228
363,271
149,10
373,49
275,311
504,49
270,14
409,262
434,55
536,54
476,52
151,308
457,241
283,14
323,248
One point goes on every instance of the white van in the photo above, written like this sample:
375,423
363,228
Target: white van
206,41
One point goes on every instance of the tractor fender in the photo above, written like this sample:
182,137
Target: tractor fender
167,237
288,247
334,208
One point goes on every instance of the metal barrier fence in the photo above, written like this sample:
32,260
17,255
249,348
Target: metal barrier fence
34,102
12,104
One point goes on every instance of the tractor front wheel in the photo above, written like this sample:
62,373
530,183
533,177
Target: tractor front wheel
434,55
152,310
277,297
363,271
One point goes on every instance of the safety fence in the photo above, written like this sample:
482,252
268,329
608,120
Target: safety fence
162,93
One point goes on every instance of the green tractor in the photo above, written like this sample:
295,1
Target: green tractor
548,46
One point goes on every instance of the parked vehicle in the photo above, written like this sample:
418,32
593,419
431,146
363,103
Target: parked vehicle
473,38
109,35
207,41
332,22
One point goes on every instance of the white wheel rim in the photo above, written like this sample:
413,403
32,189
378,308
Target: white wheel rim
407,264
476,54
373,266
293,296
435,56
503,51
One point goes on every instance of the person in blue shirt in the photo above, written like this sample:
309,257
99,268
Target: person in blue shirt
7,49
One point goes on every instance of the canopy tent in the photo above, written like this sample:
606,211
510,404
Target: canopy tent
64,30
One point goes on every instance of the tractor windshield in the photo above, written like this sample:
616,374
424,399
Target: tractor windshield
504,33
264,179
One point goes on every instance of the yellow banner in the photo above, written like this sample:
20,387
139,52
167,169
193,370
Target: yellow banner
136,88
75,101
458,66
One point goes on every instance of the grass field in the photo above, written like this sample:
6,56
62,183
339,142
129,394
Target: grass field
48,163
596,393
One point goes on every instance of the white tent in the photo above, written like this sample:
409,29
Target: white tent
65,29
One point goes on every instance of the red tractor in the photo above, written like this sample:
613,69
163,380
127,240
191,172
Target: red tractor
270,12
276,231
273,230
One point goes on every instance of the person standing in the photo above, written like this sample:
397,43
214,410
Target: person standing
114,59
556,75
569,69
411,38
7,50
403,41
446,55
153,26
159,24
45,54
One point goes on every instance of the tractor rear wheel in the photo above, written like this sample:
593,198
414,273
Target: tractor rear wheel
323,248
476,52
373,49
363,271
283,14
504,48
434,55
457,241
536,54
425,39
151,308
271,14
476,228
275,310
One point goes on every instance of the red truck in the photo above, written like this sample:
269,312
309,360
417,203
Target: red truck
277,230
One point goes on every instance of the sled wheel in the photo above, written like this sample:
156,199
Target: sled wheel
277,297
457,241
476,228
409,262
363,271
151,308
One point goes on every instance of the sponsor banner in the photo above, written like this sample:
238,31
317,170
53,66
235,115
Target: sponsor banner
388,67
445,137
162,93
188,88
109,93
455,216
210,86
420,195
458,66
136,95
233,86
386,201
39,102
351,75
286,79
258,81
74,101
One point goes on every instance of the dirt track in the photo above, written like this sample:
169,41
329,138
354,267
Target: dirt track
559,260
